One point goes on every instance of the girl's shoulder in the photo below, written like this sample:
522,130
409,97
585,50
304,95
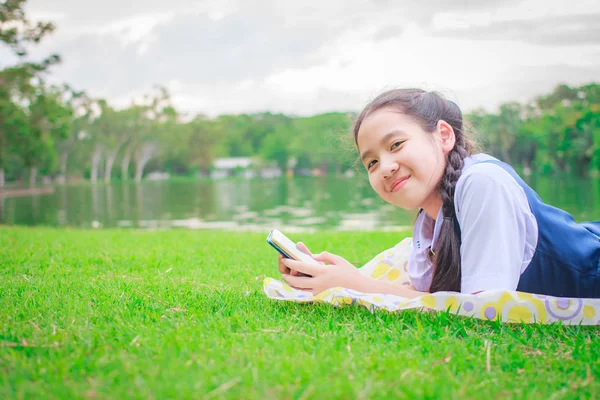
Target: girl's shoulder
476,169
479,178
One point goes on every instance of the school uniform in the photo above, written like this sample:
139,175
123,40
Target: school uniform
510,239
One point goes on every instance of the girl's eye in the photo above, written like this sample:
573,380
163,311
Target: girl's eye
395,145
371,163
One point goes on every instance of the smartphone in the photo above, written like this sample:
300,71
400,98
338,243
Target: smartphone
287,248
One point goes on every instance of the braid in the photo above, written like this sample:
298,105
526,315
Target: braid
454,166
447,274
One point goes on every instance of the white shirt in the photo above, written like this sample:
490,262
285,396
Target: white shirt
498,230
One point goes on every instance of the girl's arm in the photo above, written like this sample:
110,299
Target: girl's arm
371,285
338,273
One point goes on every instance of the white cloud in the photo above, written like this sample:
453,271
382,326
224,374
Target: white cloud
314,56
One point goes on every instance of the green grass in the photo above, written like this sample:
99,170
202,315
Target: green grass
181,314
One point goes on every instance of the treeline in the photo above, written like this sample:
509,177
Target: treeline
55,131
554,133
69,135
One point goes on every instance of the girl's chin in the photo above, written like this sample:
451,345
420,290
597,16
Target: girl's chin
405,205
408,207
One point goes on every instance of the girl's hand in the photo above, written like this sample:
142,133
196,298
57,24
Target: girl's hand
286,270
338,272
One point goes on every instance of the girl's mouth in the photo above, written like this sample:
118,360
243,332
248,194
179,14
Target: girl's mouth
399,184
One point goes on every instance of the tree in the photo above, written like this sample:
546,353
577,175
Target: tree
203,139
13,121
153,116
13,81
235,141
49,120
17,31
320,139
83,114
562,94
112,130
137,124
275,147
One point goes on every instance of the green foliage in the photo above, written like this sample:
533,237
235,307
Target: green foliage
554,133
15,28
29,120
49,120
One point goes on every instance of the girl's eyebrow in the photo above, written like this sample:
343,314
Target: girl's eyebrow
384,139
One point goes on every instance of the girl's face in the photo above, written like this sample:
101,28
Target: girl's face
404,162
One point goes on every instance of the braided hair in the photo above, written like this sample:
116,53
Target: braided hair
427,109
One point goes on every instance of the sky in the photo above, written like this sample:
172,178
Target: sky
307,57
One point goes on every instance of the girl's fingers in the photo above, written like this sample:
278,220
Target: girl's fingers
328,258
307,269
302,247
297,282
282,268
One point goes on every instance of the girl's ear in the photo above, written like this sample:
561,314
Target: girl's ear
446,135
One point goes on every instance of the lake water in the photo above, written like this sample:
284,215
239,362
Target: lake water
298,204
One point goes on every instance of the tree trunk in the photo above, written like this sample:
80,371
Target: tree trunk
582,166
139,169
2,207
64,156
110,159
2,150
125,164
32,176
96,156
142,156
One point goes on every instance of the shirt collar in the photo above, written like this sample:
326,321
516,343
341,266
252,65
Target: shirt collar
422,228
420,267
436,229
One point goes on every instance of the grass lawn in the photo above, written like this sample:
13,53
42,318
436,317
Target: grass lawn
181,314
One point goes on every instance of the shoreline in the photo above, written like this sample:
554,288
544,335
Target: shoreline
18,192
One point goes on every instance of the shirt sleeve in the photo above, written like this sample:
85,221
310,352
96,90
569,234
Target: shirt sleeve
489,212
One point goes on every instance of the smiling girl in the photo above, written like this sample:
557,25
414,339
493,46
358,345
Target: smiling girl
479,227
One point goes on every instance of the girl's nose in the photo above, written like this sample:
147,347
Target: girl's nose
389,168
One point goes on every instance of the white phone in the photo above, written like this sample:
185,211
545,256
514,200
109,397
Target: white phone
287,248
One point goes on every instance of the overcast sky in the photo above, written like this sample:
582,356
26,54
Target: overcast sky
307,57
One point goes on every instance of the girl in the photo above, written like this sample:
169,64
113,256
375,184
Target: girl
479,227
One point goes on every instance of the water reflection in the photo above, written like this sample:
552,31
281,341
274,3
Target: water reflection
95,202
300,204
2,208
61,213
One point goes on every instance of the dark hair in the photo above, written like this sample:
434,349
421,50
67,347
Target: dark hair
427,108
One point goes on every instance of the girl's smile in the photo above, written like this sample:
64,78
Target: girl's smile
399,184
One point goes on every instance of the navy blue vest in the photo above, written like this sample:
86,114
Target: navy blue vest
566,262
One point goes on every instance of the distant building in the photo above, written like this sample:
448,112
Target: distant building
243,167
157,176
232,163
225,167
